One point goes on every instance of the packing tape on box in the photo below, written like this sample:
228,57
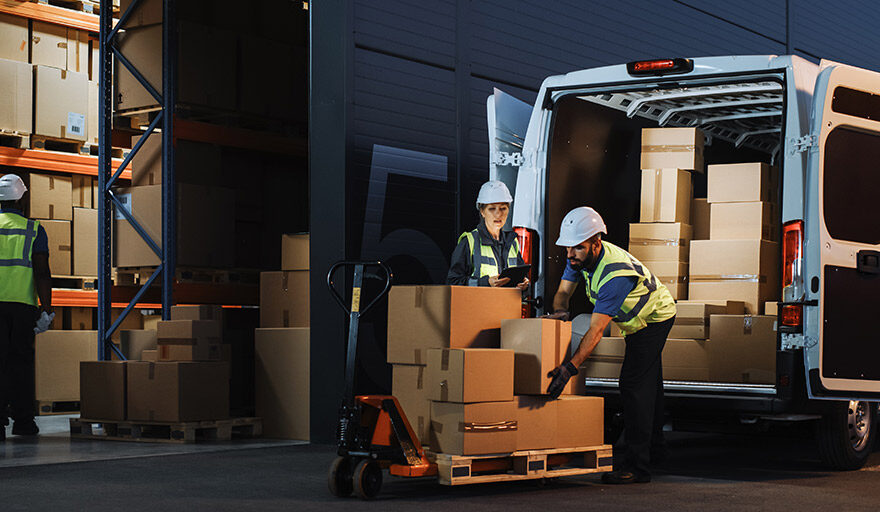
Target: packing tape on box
672,280
744,278
444,360
51,183
672,242
487,427
444,390
417,356
670,148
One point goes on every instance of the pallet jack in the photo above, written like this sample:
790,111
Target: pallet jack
373,432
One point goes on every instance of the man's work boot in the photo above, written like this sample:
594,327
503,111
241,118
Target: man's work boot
25,428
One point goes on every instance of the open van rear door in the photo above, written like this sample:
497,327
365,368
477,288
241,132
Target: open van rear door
844,169
508,120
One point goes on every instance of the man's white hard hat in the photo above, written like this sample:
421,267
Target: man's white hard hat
493,192
578,225
11,187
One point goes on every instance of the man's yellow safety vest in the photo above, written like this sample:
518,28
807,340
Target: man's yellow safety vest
484,260
17,236
650,300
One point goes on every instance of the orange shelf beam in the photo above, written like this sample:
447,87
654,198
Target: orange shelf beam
56,160
52,14
185,293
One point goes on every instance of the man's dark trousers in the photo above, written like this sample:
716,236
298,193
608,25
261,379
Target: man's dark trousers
641,393
17,323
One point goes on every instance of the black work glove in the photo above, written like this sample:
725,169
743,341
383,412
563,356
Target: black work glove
560,375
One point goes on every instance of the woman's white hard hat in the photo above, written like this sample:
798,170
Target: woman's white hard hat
493,192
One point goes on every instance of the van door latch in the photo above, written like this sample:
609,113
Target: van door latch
801,144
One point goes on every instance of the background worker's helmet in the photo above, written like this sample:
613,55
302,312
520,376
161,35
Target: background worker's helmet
493,192
578,225
11,187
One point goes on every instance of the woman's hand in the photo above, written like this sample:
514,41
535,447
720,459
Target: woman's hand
496,281
523,286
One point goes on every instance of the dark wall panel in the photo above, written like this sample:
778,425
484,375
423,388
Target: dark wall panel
844,31
416,30
765,17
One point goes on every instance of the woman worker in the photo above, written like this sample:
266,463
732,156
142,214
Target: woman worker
482,254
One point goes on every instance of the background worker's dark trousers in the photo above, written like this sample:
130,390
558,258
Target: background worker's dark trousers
641,393
17,323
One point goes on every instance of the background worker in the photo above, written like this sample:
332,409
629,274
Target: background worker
24,275
482,254
625,291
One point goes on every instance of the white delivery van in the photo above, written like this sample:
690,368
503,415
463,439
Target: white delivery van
819,124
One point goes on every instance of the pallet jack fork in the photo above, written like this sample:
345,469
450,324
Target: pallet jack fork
373,432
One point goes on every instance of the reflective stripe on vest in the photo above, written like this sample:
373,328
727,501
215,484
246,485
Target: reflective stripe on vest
17,237
648,302
484,262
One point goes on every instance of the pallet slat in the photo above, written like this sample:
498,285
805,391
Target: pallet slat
160,432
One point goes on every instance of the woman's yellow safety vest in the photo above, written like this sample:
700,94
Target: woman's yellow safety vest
17,236
649,302
484,260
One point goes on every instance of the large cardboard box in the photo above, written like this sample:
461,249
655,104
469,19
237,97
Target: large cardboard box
539,345
423,317
189,340
85,242
536,422
470,375
49,45
50,197
16,102
282,382
284,299
197,163
473,429
701,217
736,183
178,391
668,241
102,390
58,232
667,148
295,251
81,191
57,358
204,222
580,421
744,221
408,385
742,349
673,274
666,196
13,38
61,99
746,270
134,342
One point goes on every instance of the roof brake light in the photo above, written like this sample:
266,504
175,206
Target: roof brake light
660,67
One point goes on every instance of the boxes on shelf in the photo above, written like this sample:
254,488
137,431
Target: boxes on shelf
50,197
282,382
102,390
692,317
737,183
60,254
667,148
742,349
81,191
423,317
60,102
57,358
470,375
133,320
408,385
92,129
134,342
78,51
539,346
746,270
177,391
85,242
14,38
17,80
295,251
738,221
701,218
668,241
473,429
284,299
49,45
666,196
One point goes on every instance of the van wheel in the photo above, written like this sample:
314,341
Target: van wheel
846,435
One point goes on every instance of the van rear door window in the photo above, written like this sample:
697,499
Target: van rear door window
856,103
851,185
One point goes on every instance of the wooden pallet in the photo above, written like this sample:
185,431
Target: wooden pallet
522,465
13,139
54,407
162,432
92,149
46,143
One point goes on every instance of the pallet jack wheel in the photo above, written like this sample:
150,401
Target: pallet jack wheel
339,480
367,479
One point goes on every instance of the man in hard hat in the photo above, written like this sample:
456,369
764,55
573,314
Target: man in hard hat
482,254
24,275
622,290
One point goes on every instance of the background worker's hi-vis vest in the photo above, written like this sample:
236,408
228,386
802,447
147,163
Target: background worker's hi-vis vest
17,236
484,259
650,300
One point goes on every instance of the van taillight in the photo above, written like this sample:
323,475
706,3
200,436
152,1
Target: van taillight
792,315
526,246
792,273
660,67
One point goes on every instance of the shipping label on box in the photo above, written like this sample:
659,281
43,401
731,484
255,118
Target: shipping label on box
737,183
701,218
665,196
539,346
744,221
16,102
473,429
50,197
667,148
660,241
409,386
60,249
742,349
746,270
470,375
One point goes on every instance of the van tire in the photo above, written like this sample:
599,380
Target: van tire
846,436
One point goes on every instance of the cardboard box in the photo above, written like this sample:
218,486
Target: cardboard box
193,351
13,38
667,148
295,251
408,386
60,102
151,322
681,354
737,183
666,196
692,320
746,270
771,308
660,241
58,232
701,217
49,45
423,317
199,312
580,421
197,163
178,391
470,375
284,299
102,390
85,242
204,222
282,382
473,429
539,345
189,340
79,319
150,355
81,191
78,51
742,349
673,274
17,84
744,221
133,321
57,358
134,342
50,197
536,422
731,307
93,135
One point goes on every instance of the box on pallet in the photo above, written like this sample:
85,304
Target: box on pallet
536,422
580,421
57,358
473,429
736,183
60,102
667,148
284,299
50,197
742,349
85,242
102,390
282,382
423,317
668,241
189,340
744,221
14,39
58,233
539,346
666,196
701,218
178,391
746,270
408,385
16,102
470,375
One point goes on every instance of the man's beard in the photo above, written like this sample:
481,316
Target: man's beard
587,264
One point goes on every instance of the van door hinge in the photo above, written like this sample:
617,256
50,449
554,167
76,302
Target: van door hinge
792,341
801,144
504,158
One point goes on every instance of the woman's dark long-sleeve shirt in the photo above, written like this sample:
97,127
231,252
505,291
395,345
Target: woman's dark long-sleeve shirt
461,269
